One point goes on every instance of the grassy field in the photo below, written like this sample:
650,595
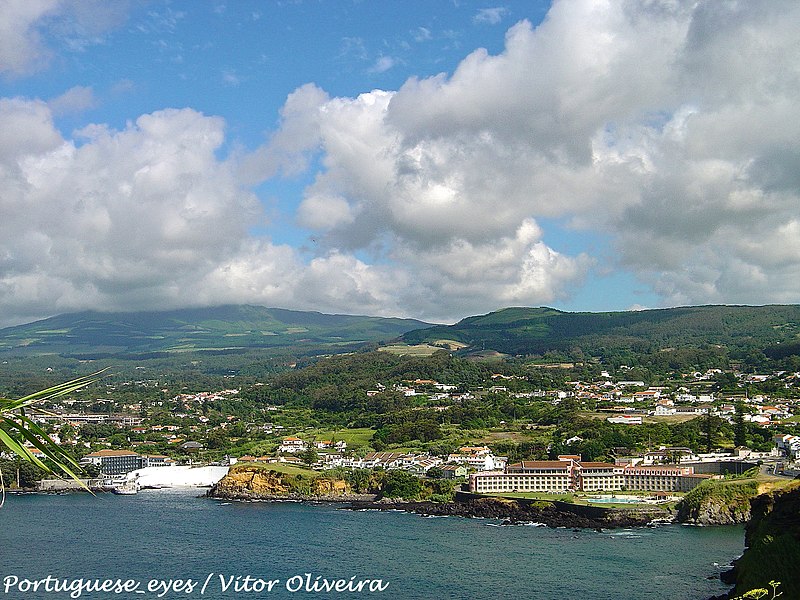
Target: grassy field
402,349
669,419
283,468
355,438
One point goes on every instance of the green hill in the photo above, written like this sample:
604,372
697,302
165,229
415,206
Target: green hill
223,328
530,331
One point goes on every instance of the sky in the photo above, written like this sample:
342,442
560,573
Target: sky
415,158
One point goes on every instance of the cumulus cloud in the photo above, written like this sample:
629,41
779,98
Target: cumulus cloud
116,213
74,100
76,25
149,217
668,126
21,46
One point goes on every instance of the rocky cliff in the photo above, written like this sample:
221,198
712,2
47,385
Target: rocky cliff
720,502
772,540
253,482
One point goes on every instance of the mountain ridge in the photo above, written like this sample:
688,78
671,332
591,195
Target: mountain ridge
196,329
527,331
511,330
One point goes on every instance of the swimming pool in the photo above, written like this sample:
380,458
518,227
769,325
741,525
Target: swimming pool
616,500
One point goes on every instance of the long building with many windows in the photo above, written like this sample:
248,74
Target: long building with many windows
570,474
119,462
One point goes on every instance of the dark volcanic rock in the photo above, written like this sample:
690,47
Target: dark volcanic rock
512,512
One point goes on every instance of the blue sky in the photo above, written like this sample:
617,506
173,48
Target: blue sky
424,159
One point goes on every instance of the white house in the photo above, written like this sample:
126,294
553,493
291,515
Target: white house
291,445
626,419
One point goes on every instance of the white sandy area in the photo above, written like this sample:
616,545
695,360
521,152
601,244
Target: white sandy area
177,476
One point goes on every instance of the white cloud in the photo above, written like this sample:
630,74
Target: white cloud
73,24
324,212
124,212
422,34
21,46
490,16
669,126
468,277
74,100
383,64
149,218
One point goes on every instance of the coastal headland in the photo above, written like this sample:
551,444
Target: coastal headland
259,484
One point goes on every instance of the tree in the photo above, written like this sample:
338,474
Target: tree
401,484
309,455
710,428
739,427
435,473
17,429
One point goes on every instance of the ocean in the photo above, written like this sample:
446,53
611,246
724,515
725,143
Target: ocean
174,544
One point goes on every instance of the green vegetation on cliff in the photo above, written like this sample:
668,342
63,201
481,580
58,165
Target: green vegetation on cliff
250,481
723,502
772,538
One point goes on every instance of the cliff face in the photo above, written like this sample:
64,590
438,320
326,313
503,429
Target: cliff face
259,483
772,540
720,502
250,484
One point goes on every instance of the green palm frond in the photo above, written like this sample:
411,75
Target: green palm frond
18,430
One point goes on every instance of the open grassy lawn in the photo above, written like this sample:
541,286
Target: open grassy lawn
354,438
418,350
283,468
670,419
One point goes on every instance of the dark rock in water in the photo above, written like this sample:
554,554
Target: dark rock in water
728,577
513,512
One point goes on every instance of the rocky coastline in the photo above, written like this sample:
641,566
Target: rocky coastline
517,512
261,485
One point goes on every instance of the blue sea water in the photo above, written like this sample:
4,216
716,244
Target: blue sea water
163,535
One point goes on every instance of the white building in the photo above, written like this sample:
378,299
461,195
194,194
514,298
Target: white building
626,419
479,458
291,445
568,475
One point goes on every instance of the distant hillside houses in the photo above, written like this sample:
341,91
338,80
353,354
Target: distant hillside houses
669,455
291,445
788,445
415,463
479,458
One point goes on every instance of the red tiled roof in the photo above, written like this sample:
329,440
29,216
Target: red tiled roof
113,453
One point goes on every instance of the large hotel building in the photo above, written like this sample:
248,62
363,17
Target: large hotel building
571,474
